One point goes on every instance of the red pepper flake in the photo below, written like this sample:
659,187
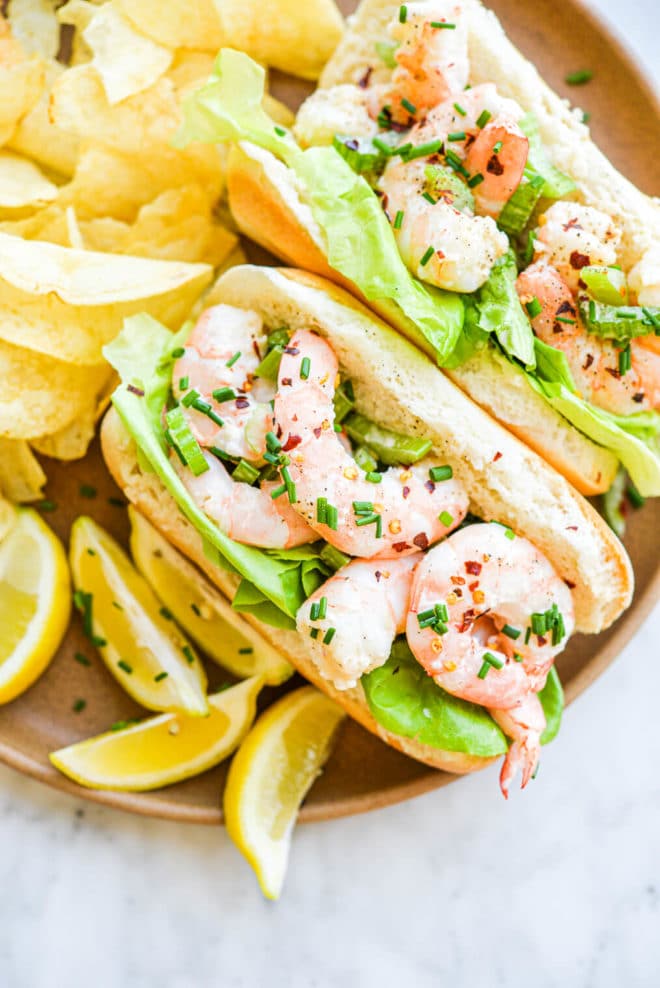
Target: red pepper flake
498,456
571,528
378,575
473,586
473,568
557,327
293,351
572,225
135,391
291,443
421,541
317,431
566,307
364,81
614,371
579,261
400,546
495,166
458,591
458,580
440,255
541,640
406,491
468,619
430,486
255,347
242,403
570,584
588,361
638,397
286,382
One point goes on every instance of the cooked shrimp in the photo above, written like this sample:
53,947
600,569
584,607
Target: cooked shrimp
491,586
570,236
644,278
432,61
463,248
524,724
223,352
341,110
594,362
355,616
244,513
402,513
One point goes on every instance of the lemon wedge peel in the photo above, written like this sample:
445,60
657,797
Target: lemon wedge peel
201,610
270,776
35,594
137,643
160,751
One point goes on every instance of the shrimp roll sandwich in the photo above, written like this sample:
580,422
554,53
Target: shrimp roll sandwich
438,178
406,553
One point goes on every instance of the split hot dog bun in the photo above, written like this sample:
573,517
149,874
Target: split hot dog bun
399,388
267,206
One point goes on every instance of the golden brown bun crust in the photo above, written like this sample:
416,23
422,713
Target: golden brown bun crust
150,498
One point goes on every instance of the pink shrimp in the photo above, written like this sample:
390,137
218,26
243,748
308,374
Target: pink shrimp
355,616
594,362
245,513
221,355
406,510
525,724
570,236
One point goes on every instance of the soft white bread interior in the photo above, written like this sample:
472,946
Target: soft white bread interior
268,207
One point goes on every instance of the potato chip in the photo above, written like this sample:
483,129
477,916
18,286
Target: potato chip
21,476
39,137
126,60
21,82
7,517
297,37
68,303
177,23
41,395
35,25
278,111
22,183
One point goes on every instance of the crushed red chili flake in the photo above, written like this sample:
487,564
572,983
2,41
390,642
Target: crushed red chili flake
406,491
495,166
135,391
473,567
468,619
570,584
430,486
255,347
440,255
287,382
588,361
498,456
566,307
378,575
400,546
614,371
421,541
473,586
293,351
317,431
541,640
557,328
638,397
579,261
242,403
291,443
572,528
457,580
364,81
572,224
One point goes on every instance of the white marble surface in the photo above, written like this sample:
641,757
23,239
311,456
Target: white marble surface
560,887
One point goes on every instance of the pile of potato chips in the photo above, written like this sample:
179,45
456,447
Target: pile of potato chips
112,219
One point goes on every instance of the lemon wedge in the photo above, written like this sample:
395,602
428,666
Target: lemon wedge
201,610
270,776
160,751
35,601
141,646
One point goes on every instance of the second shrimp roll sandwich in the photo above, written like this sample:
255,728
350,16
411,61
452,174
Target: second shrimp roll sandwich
437,177
407,554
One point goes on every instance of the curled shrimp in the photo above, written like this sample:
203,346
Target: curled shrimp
432,61
244,513
355,616
403,512
221,355
594,362
571,236
476,600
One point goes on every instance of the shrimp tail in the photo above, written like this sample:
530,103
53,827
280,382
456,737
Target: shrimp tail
522,755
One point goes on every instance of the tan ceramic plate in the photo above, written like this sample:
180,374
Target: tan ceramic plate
363,773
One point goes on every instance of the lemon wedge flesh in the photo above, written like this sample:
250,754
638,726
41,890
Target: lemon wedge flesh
201,610
35,601
270,776
160,751
143,649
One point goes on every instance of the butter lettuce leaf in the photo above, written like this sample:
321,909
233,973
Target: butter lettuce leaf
360,242
404,699
496,309
280,580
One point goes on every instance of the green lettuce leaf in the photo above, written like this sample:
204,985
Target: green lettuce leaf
142,355
404,699
497,310
360,242
557,184
633,438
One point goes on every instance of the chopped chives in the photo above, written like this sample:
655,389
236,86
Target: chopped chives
625,360
441,612
82,659
273,443
329,635
497,147
483,118
443,24
161,676
379,526
511,632
429,198
424,615
188,399
232,360
634,496
485,669
398,219
246,651
420,151
46,505
445,518
79,705
305,368
403,14
475,180
369,519
280,131
517,657
178,352
404,150
166,613
184,383
493,660
278,491
363,507
384,148
459,109
539,624
534,308
565,319
332,517
528,635
579,78
323,608
373,477
410,107
314,633
245,473
223,394
321,510
457,135
441,473
455,162
188,652
86,490
428,254
125,666
203,406
314,611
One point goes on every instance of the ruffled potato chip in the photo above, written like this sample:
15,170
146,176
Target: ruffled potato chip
68,303
41,395
297,37
21,81
22,183
38,137
35,25
21,475
72,442
177,23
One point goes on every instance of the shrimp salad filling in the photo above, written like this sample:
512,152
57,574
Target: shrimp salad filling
354,534
439,195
